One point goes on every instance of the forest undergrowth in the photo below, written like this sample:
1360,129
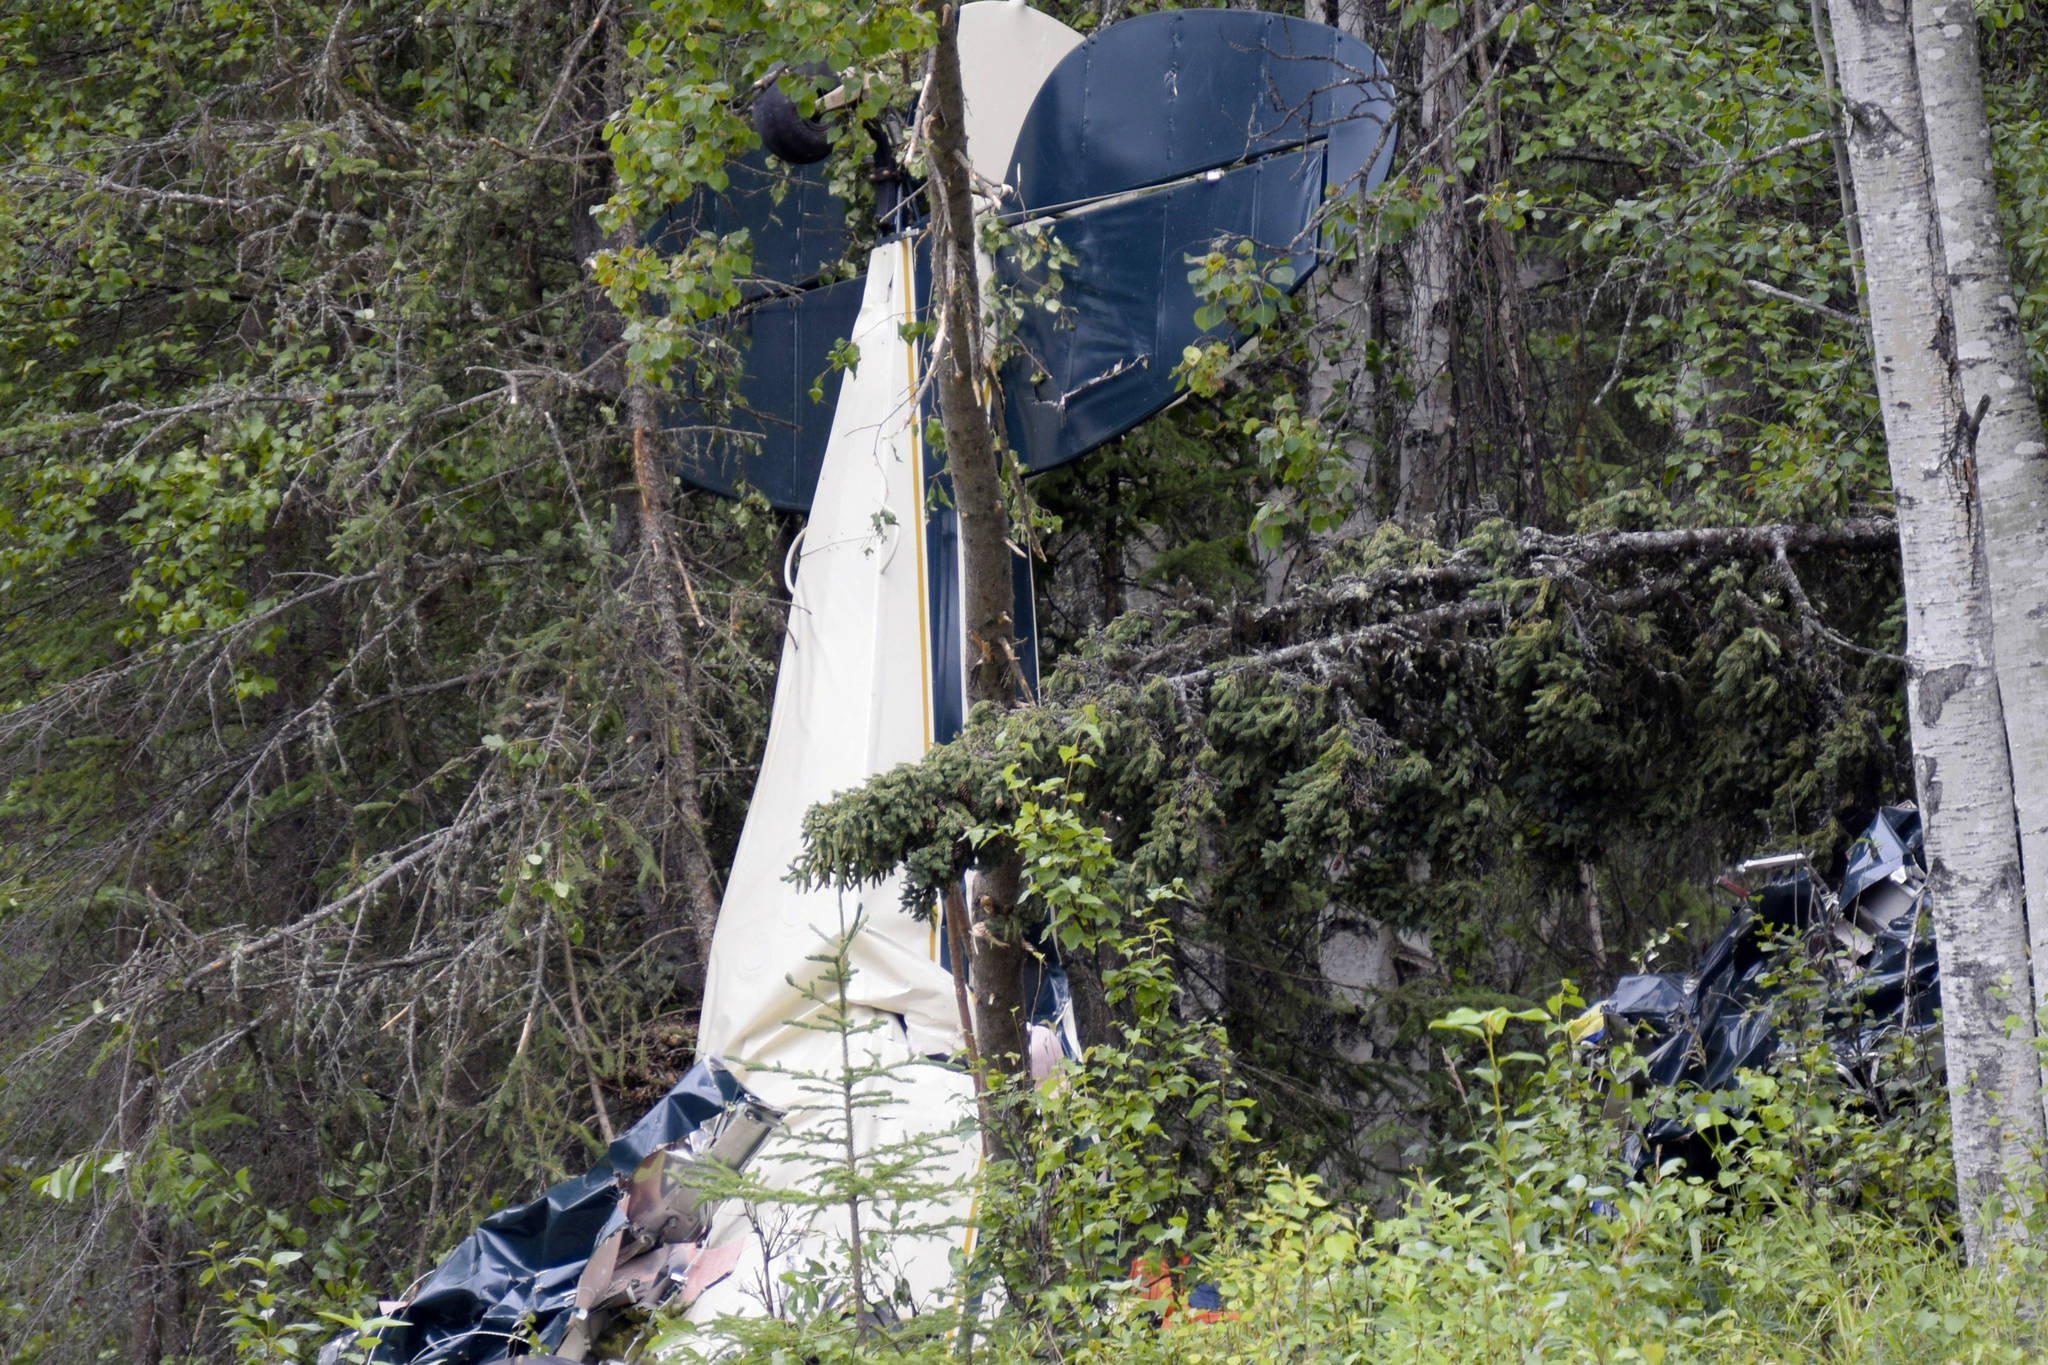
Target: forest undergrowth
1828,1232
1826,1236
1133,1215
1823,1225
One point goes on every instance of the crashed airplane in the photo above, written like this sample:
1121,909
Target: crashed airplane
1151,141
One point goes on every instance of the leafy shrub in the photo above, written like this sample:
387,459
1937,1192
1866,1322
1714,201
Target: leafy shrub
1822,1237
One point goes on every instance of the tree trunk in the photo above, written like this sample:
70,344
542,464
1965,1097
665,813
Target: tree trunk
1343,392
668,588
995,949
1426,435
149,1271
1961,769
1342,388
1513,336
644,534
1838,142
2005,438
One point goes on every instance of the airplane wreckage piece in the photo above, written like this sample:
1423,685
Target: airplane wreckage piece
1155,139
1694,1031
520,1272
1150,142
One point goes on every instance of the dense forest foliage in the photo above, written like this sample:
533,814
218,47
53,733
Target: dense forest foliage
377,716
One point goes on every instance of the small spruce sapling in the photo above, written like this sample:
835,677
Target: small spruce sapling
858,1180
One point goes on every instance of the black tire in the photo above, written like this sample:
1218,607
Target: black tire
783,129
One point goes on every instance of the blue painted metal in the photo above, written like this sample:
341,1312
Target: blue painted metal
947,621
1241,123
1105,362
1167,95
517,1272
769,435
765,432
1271,115
947,626
796,225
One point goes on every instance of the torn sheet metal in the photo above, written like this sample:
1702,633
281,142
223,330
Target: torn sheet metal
766,432
1168,95
853,697
520,1268
1892,845
861,687
655,1252
1239,123
1105,361
1873,942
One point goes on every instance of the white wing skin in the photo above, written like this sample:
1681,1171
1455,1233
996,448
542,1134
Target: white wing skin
1006,51
851,700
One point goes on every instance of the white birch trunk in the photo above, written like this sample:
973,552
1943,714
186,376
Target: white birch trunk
1961,771
2011,456
1341,387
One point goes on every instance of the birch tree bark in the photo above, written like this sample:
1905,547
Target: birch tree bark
1342,391
1961,770
1342,388
2002,415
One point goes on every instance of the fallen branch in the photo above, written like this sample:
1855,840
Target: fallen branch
1409,601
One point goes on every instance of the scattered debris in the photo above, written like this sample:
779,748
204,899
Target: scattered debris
1162,1286
1872,942
626,1235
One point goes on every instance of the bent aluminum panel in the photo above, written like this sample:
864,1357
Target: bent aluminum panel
1167,95
796,226
1166,100
518,1271
1105,362
1245,122
769,435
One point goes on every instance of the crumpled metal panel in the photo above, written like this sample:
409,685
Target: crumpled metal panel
1142,103
1166,95
1699,1029
768,435
1268,115
1892,842
1649,996
1105,361
519,1268
796,224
